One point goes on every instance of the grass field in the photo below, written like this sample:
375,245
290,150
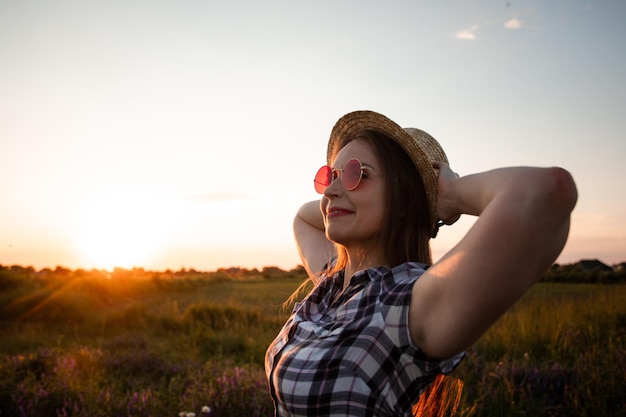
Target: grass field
135,343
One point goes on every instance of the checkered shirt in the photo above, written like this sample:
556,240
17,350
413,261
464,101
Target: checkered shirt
353,356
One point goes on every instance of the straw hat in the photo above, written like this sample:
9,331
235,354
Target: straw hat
422,148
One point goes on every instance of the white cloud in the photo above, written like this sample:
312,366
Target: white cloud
467,34
513,24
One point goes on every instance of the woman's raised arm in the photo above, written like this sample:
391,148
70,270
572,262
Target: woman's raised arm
523,223
314,249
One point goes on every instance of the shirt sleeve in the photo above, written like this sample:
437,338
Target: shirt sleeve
395,299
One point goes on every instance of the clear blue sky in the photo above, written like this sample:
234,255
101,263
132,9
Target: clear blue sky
186,134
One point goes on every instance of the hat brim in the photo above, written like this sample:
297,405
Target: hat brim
421,147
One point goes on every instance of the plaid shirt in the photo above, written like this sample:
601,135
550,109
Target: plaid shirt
352,356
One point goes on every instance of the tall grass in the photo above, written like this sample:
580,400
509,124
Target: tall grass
560,351
134,343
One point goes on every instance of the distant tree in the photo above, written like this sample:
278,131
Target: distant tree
272,272
298,270
8,279
62,272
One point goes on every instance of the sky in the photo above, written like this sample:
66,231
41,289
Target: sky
186,134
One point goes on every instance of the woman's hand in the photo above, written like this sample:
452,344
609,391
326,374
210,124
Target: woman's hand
446,208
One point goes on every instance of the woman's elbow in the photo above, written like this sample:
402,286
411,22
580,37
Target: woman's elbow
561,190
549,194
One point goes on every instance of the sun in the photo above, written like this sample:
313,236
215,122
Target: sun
117,230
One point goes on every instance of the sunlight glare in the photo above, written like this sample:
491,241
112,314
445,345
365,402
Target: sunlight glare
118,230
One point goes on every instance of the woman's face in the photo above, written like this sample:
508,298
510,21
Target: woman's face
355,218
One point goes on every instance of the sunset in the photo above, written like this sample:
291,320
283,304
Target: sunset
187,135
118,230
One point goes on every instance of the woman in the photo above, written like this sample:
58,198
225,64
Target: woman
382,323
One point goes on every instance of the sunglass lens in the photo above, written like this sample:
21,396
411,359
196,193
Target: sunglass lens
351,175
322,179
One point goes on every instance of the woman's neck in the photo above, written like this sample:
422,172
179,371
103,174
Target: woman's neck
360,260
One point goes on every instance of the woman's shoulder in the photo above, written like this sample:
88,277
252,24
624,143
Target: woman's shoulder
403,274
408,271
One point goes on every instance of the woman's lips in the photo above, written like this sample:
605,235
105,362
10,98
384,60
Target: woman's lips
337,212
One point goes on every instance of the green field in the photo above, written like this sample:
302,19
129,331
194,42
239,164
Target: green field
138,343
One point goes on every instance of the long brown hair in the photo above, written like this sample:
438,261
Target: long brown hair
405,237
439,399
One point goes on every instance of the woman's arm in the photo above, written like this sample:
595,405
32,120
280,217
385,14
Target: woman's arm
523,223
314,249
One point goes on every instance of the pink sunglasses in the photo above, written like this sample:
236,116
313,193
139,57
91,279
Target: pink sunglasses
350,176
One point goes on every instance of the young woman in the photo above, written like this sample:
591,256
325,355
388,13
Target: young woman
382,322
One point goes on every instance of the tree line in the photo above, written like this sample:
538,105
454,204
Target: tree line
581,272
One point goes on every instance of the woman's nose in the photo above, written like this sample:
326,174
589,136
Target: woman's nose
334,189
